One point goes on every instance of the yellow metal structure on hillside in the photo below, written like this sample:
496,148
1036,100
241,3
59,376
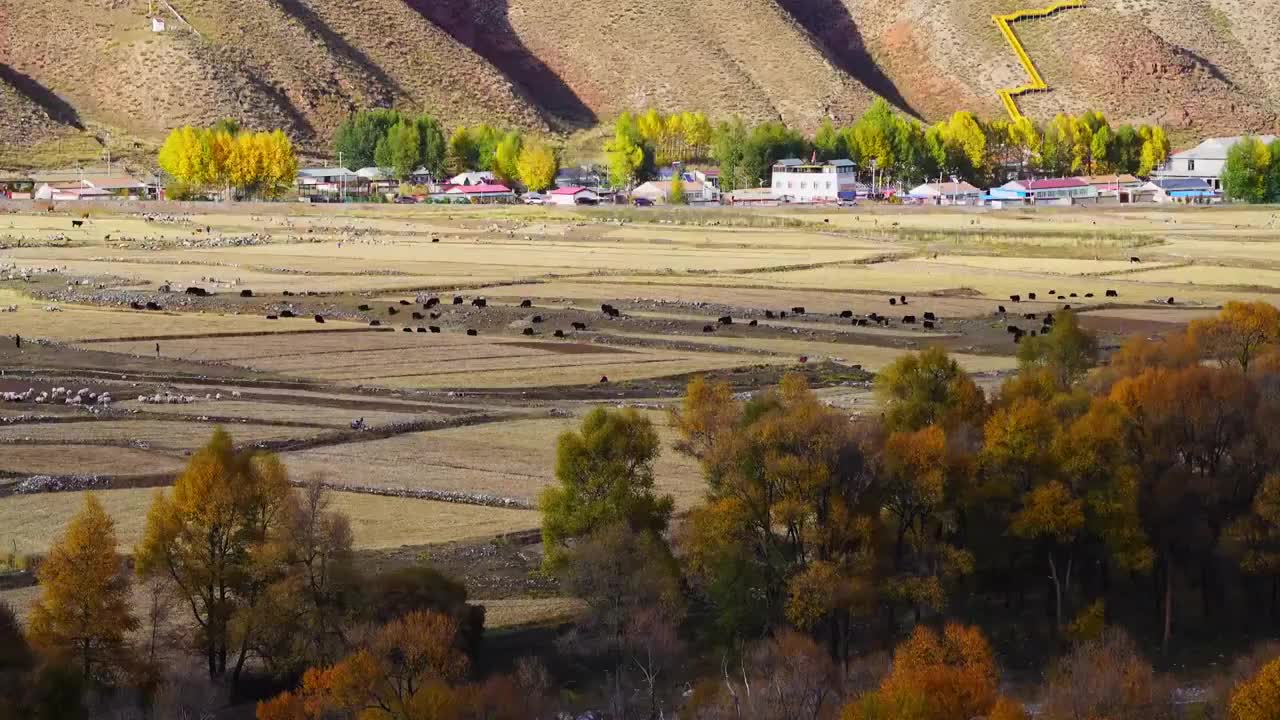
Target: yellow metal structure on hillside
1004,22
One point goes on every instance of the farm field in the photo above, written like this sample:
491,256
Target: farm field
636,297
377,522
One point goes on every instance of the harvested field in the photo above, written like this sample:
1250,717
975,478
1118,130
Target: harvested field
279,412
514,613
513,459
1041,265
1214,276
76,459
173,436
377,522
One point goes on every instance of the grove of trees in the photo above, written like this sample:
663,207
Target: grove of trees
902,150
1252,171
226,159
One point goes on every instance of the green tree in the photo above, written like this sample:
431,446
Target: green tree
828,142
1068,351
205,535
228,125
486,138
1246,173
625,154
604,475
727,146
400,150
926,388
432,146
537,166
507,157
83,614
463,155
676,196
356,140
1273,172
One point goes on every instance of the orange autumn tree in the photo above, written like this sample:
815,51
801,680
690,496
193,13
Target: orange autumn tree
83,612
407,672
935,677
1237,334
1257,698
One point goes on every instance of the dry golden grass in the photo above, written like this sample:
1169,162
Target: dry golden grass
279,412
74,459
525,612
33,522
158,434
514,459
1212,276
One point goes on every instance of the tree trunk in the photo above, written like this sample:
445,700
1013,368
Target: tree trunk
1057,591
1168,607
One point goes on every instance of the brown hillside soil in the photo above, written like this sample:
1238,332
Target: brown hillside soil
1201,66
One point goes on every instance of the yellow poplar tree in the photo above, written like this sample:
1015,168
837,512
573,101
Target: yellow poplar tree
537,166
83,611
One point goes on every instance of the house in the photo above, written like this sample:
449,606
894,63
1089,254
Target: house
16,187
483,177
482,193
378,180
70,191
1205,161
572,196
695,193
118,187
1190,191
798,181
1049,191
330,184
947,193
583,176
710,177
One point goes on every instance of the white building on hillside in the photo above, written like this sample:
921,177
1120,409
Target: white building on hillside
1204,161
798,181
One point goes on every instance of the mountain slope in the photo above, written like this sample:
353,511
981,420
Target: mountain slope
1200,66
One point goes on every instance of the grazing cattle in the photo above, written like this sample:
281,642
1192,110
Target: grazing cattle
392,311
726,320
405,302
434,316
1066,307
908,319
615,312
797,310
435,239
1033,333
1088,295
434,328
604,378
860,322
527,331
457,299
536,318
375,323
480,302
846,313
708,328
930,316
136,305
1016,298
893,301
558,333
319,319
246,293
1074,295
472,333
417,315
287,293
197,291
1135,259
407,329
579,326
364,308
928,324
271,317
902,299
430,303
1029,316
1048,318
1012,329
1169,301
1053,292
768,314
287,314
526,303
153,306
422,329
1113,293
782,313
1001,310
1031,296
77,223
606,308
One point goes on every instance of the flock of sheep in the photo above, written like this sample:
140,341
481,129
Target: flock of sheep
168,398
81,397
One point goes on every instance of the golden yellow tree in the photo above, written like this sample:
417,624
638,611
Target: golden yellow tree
1237,334
537,166
205,535
83,611
1258,698
935,677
